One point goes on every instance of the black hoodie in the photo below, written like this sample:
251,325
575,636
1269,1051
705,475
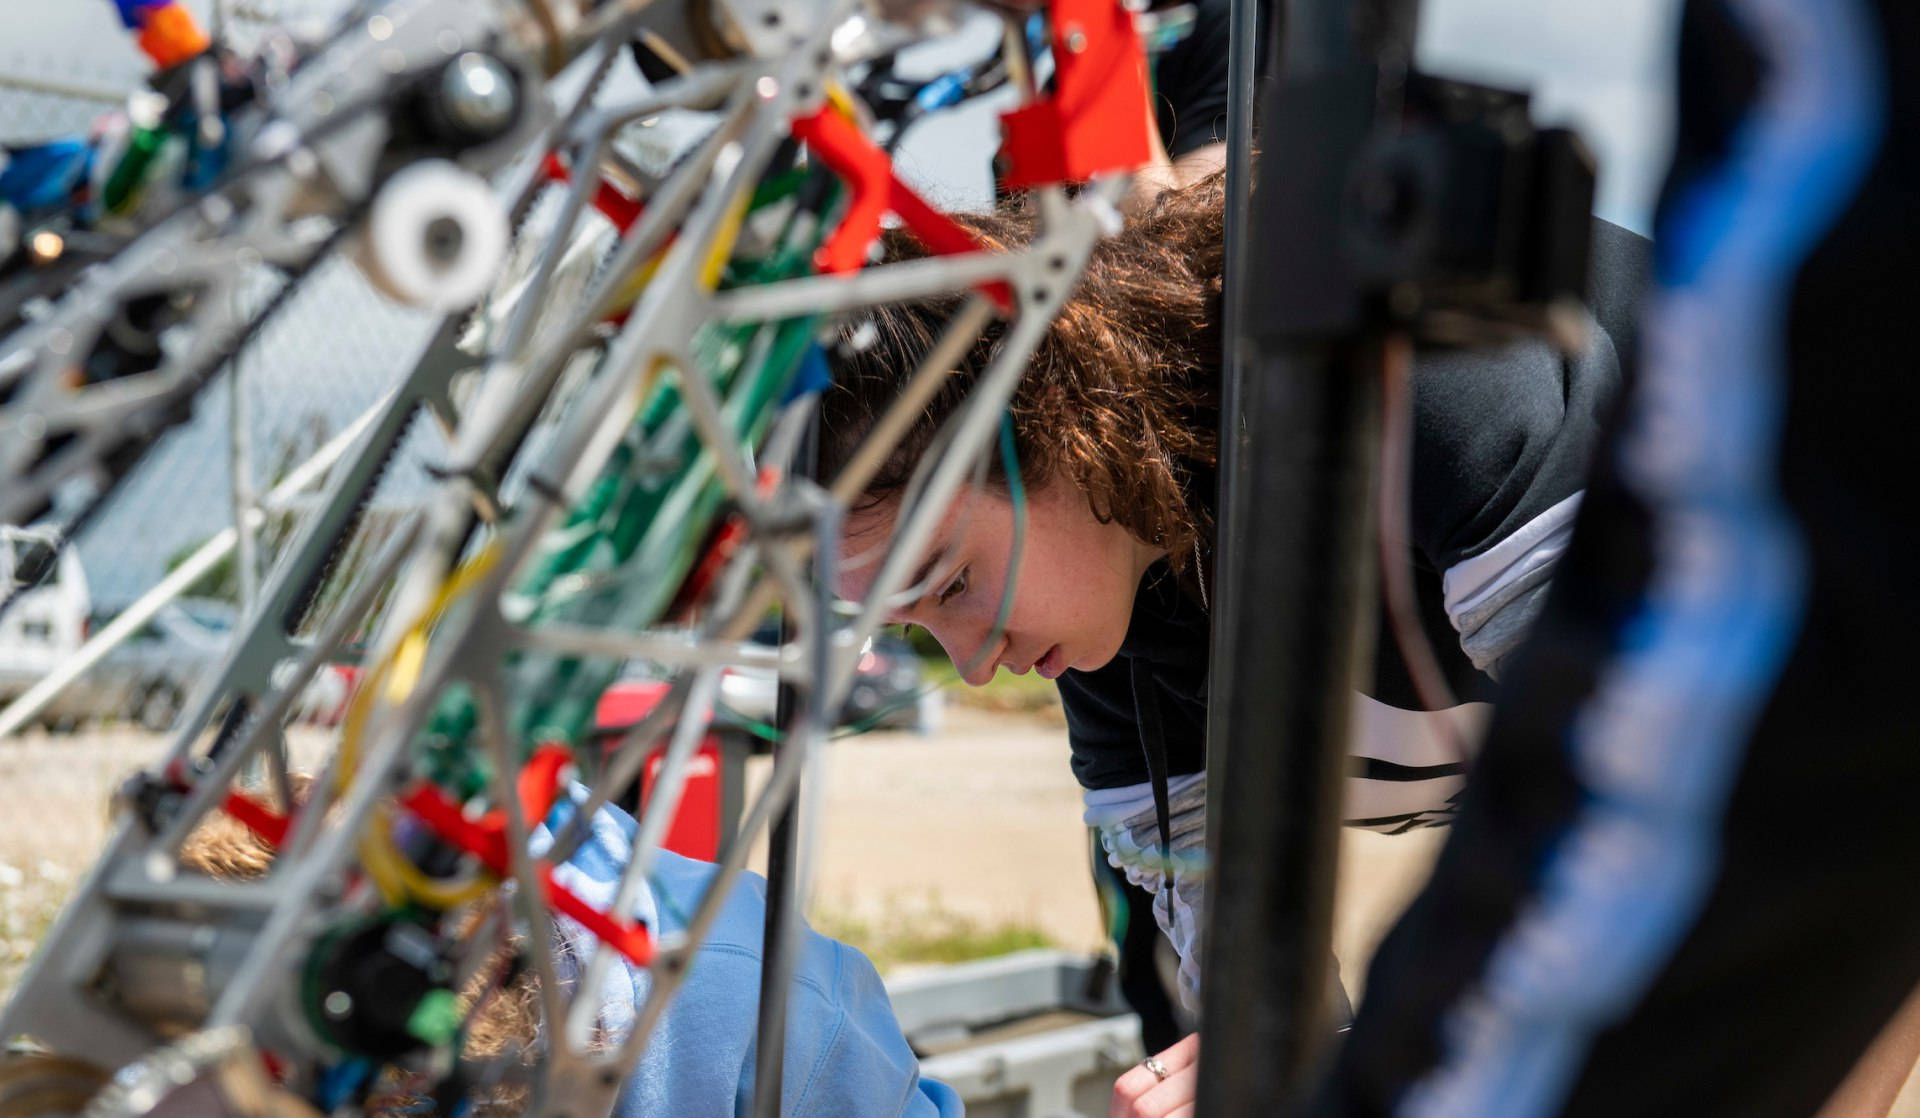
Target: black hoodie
1502,440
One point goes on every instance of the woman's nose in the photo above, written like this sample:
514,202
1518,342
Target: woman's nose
977,670
971,655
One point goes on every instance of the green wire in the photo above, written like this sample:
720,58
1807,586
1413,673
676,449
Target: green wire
783,185
854,729
624,549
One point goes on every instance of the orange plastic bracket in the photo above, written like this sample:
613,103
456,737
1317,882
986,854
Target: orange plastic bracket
169,35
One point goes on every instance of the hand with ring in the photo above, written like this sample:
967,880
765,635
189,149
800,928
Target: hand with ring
1160,1086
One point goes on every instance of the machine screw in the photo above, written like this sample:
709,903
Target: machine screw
479,94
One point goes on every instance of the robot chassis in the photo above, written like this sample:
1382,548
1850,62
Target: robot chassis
624,415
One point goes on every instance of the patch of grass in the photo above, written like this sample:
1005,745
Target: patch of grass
927,932
29,901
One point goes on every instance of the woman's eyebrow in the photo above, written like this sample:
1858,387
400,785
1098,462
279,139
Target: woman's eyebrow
925,570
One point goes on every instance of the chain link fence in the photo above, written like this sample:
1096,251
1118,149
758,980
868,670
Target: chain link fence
331,352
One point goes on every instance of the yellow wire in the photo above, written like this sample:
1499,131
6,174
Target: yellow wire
630,291
723,243
408,655
397,673
398,879
842,100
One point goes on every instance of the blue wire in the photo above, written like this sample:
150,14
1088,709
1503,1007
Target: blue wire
947,89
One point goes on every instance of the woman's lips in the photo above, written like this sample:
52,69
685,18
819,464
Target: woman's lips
1053,663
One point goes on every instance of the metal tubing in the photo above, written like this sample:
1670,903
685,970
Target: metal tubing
246,556
1232,480
667,647
529,898
892,283
1274,795
212,785
780,928
662,805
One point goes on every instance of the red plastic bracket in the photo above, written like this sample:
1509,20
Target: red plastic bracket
1095,121
539,782
727,541
875,190
268,825
486,839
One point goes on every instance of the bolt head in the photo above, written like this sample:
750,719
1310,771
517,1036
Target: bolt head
479,93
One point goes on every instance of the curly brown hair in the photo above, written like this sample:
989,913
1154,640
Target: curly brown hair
1121,396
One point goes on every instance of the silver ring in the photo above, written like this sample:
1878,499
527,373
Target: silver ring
1159,1070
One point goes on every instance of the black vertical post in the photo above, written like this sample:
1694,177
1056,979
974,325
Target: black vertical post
1293,619
783,848
781,937
1242,79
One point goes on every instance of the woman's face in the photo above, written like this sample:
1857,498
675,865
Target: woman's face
1072,595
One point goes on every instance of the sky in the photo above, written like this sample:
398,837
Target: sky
1601,65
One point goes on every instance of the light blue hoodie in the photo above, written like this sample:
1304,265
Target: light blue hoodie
846,1056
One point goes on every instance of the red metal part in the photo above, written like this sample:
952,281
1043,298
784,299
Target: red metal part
695,830
698,824
486,839
539,781
623,704
874,191
1095,120
613,205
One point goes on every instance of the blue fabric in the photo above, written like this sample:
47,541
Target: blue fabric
846,1056
1660,742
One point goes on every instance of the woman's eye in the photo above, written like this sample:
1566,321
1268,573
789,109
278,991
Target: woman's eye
955,588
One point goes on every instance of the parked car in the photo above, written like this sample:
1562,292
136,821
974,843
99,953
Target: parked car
149,676
146,678
27,558
43,625
889,690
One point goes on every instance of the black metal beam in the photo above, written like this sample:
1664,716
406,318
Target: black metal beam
1293,614
783,927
